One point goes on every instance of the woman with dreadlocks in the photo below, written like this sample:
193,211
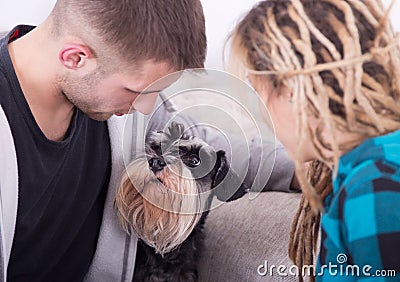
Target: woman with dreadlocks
329,73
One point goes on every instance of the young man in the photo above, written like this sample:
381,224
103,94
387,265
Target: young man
59,83
60,160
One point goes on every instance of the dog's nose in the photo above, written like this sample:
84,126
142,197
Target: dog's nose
156,164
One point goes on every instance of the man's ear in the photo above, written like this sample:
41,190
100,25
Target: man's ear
227,185
79,57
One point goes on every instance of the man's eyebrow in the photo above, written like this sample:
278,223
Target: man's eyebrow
143,92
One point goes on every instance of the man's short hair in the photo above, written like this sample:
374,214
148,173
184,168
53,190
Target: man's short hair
137,30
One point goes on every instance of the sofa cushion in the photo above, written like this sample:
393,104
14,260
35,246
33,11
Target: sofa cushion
242,235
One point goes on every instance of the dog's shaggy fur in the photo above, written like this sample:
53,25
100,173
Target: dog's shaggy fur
164,199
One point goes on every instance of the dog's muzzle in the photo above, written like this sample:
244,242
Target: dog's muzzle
156,164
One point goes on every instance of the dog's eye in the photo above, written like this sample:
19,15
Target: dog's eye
193,161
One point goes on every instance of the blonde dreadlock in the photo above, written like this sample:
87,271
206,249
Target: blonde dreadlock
341,58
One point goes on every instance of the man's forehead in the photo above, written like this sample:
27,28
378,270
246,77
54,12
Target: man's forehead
155,82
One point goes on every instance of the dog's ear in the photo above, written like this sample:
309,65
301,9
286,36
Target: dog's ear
228,185
176,131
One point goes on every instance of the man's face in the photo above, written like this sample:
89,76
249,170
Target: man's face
101,95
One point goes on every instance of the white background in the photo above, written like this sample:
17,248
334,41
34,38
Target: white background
221,15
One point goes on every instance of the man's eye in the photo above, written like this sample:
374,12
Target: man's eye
193,161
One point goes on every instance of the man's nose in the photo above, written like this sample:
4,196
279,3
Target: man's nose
144,103
156,164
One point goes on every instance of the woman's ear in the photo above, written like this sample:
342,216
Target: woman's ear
77,57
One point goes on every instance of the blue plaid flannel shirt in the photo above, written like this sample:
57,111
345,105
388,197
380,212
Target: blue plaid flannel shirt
360,229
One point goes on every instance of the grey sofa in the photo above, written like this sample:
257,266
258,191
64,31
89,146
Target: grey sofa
242,235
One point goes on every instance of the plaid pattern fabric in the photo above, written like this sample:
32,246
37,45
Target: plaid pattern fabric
360,238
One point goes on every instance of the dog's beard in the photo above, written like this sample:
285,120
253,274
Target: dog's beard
162,209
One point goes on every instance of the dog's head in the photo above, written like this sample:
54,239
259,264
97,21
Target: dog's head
164,193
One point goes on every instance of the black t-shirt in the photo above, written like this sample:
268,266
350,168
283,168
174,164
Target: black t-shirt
62,187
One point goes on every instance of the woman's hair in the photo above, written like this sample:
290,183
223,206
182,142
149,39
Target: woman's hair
341,59
137,30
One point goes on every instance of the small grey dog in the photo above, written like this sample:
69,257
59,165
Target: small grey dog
164,199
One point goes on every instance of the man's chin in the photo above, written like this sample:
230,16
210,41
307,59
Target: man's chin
99,116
